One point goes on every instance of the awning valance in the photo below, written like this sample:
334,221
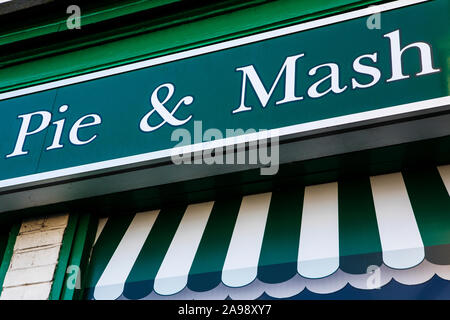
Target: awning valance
365,233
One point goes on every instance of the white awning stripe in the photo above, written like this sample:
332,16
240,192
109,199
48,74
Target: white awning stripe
318,254
173,274
399,234
444,171
112,281
241,263
100,226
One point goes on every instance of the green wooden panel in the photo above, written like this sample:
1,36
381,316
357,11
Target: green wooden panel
4,236
64,256
6,255
73,285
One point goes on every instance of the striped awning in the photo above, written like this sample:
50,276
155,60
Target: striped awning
362,233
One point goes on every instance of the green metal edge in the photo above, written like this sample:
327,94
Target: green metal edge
8,252
103,14
118,11
64,255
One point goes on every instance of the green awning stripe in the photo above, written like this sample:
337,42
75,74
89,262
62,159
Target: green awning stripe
115,275
106,245
173,273
282,231
359,240
206,270
431,205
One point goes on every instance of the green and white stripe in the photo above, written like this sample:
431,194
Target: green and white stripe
301,235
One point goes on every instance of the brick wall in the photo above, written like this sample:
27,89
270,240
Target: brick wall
34,260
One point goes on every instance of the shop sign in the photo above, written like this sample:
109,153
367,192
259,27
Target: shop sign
315,75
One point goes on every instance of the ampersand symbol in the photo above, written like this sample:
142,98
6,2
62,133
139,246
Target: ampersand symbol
158,107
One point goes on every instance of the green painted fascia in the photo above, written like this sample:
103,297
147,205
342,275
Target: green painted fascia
7,255
79,257
32,32
89,17
74,254
121,10
186,34
64,256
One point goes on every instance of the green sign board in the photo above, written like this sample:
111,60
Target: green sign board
376,62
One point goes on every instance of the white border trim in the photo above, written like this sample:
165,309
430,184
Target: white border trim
299,128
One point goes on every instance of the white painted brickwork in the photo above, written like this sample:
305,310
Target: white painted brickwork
35,256
27,292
